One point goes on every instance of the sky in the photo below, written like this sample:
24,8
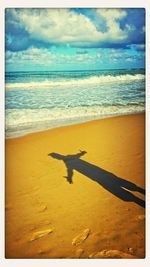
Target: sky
74,39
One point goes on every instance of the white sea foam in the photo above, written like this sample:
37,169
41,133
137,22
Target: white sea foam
20,122
76,82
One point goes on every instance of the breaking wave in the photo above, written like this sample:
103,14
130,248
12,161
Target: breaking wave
77,82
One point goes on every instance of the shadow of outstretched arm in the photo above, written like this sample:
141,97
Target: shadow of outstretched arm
69,175
69,158
81,153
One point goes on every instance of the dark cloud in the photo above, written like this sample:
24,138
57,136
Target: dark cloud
135,18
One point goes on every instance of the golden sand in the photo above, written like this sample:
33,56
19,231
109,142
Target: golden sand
97,211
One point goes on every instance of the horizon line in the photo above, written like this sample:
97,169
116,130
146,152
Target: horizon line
75,70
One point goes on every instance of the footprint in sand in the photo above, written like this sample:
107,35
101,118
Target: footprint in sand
42,208
40,234
110,254
141,217
81,237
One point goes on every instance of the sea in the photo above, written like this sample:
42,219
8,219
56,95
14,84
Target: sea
40,100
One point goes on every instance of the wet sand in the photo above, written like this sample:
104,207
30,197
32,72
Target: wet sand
77,191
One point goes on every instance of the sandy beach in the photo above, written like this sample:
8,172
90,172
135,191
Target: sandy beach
77,191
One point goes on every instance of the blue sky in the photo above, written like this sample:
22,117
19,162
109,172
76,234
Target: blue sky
74,39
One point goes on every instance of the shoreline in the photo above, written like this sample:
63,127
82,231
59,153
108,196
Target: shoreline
72,124
64,203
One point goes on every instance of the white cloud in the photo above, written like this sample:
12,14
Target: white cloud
30,56
35,58
111,16
43,56
57,25
130,28
64,26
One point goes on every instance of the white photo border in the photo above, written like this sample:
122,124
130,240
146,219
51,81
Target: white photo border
64,4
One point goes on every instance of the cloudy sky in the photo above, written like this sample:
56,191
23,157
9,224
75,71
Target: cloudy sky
74,39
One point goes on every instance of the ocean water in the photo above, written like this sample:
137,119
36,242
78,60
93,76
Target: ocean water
36,101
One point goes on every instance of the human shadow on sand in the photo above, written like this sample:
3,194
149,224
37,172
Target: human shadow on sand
117,186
